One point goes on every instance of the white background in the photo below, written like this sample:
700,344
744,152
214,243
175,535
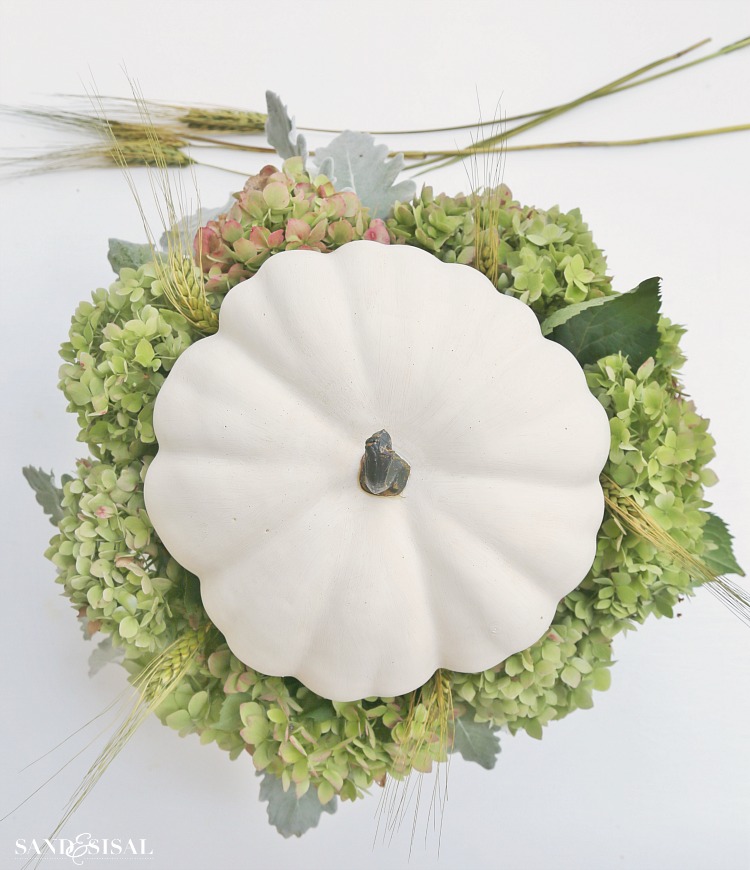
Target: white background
656,775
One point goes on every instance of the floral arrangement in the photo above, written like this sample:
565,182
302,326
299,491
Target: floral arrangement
657,543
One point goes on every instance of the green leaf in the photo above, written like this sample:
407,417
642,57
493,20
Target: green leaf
191,597
626,324
48,495
557,318
129,255
476,741
364,167
290,815
720,558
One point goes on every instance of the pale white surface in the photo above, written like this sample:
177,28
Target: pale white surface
261,429
656,775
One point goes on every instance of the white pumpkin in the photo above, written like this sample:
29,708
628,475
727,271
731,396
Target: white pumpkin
257,489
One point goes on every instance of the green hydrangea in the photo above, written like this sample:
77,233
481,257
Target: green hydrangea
122,345
658,452
545,258
116,571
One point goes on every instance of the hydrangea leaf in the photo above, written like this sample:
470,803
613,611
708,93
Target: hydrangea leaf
281,132
720,558
290,815
476,741
130,255
103,654
364,167
192,596
562,315
48,495
627,324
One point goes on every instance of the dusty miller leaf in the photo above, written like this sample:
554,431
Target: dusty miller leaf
83,624
48,495
129,255
720,559
323,167
476,741
364,167
627,324
290,815
186,228
281,133
103,654
132,255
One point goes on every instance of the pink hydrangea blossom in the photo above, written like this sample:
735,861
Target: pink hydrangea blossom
377,232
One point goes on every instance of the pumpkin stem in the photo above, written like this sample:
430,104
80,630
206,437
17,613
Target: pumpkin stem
381,470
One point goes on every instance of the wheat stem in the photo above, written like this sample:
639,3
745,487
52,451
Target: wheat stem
156,682
582,143
563,108
625,509
727,49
